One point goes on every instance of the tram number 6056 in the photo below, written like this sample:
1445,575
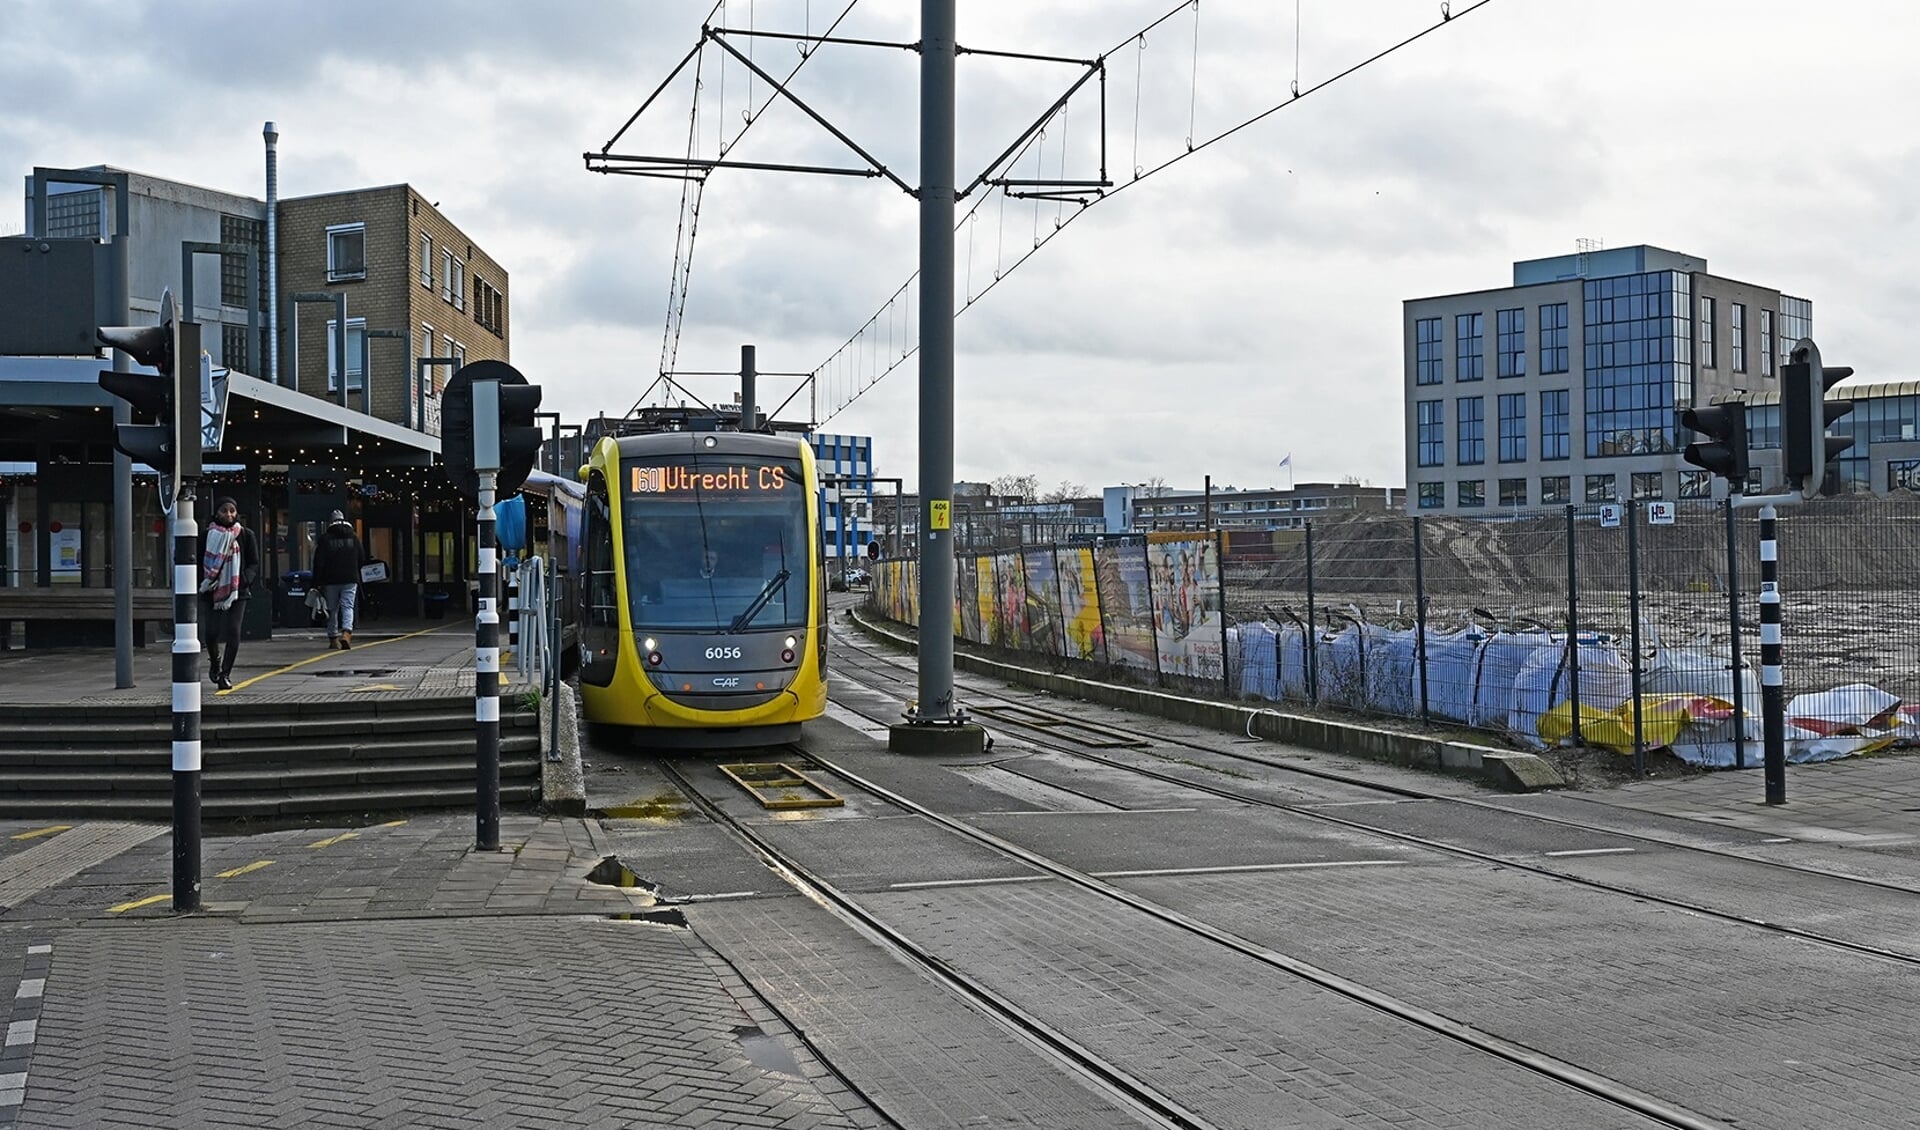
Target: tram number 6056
723,653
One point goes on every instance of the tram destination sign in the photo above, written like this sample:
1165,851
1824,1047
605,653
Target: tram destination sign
748,478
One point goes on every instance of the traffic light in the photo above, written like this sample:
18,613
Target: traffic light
171,443
520,437
1805,414
1724,451
499,434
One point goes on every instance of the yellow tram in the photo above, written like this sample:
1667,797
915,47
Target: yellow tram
700,587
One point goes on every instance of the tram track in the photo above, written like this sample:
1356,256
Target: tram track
1113,1078
1041,738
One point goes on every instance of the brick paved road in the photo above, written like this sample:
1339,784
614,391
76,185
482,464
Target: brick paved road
445,1023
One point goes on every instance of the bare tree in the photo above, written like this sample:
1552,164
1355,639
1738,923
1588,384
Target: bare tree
1025,487
1156,487
1067,491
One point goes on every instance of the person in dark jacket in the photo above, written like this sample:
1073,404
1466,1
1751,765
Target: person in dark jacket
336,569
229,568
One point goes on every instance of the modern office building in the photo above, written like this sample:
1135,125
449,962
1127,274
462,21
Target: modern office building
1566,386
1135,509
845,465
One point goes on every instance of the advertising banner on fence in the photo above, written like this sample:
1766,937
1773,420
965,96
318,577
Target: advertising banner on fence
1043,602
1080,606
1010,581
1126,601
1187,629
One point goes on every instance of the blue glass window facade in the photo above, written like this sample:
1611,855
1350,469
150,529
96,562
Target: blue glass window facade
1512,327
1470,344
1513,427
1553,338
1639,358
1431,436
1555,427
1427,361
1433,496
1472,434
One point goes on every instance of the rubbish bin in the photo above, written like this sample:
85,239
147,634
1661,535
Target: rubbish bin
290,603
436,605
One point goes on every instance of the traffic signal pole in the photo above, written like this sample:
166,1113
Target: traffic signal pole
486,681
186,702
486,644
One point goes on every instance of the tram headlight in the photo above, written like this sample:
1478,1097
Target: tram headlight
786,655
792,642
650,644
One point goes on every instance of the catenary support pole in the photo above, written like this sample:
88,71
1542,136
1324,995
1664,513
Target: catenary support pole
1773,706
936,362
486,681
186,704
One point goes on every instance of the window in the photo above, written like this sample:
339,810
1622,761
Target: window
1696,484
1472,437
233,348
248,232
1903,474
426,342
356,354
1472,492
1427,364
1431,433
426,260
1639,352
1553,338
1513,342
1737,338
1469,336
1433,496
1513,427
457,352
1709,359
1646,484
1555,427
1513,492
1600,488
1555,491
346,252
453,280
488,307
1766,343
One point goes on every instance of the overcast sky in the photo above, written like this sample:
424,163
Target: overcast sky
1239,306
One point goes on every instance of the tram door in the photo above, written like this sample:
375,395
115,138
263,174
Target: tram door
600,613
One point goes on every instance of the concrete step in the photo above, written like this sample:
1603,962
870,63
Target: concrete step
291,780
158,754
235,806
151,732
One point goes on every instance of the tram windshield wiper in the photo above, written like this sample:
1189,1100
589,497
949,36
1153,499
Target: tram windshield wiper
774,585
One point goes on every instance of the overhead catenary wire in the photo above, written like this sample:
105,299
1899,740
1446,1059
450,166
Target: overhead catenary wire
1141,173
694,187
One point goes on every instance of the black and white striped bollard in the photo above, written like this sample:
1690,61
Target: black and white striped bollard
1773,706
186,704
486,680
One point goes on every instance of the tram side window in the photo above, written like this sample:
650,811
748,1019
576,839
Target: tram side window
603,604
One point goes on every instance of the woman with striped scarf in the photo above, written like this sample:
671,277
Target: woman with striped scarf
229,568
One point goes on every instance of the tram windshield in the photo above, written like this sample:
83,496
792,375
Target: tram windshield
716,543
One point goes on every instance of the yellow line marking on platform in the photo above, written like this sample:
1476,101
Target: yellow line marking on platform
377,687
332,840
38,832
136,904
393,823
332,655
238,871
